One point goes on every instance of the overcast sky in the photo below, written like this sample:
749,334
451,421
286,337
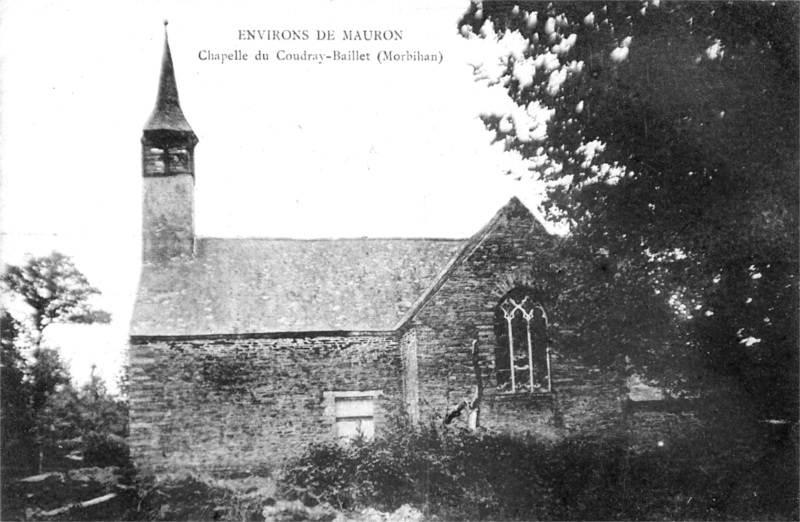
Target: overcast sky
287,149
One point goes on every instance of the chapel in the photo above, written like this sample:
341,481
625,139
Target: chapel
243,351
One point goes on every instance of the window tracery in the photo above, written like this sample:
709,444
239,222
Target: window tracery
522,357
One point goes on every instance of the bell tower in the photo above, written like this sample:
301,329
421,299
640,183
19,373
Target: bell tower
168,143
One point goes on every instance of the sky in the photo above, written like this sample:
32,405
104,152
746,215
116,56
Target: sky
287,148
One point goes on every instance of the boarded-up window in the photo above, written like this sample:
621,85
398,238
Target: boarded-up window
355,416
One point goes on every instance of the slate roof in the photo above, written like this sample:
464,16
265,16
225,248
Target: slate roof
240,286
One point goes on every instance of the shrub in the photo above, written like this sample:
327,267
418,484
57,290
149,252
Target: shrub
459,475
323,474
454,474
105,449
195,498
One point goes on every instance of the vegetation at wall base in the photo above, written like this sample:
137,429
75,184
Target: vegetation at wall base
453,474
456,475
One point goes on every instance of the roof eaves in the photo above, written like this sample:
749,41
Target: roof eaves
293,334
363,239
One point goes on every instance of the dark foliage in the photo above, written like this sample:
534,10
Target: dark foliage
461,476
685,265
17,427
28,388
105,449
55,290
190,498
42,413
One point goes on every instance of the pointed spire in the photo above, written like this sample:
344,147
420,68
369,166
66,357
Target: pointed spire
167,114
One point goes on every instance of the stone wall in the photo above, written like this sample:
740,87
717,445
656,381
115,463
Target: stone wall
463,310
516,252
584,401
408,353
653,423
248,403
167,217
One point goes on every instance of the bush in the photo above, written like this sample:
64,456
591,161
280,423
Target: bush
454,474
106,449
323,474
189,497
459,475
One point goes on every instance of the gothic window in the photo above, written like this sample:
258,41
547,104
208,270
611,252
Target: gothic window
522,358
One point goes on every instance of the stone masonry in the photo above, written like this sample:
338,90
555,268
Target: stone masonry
509,255
249,403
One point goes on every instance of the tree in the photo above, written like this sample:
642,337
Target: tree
666,134
16,419
89,414
54,291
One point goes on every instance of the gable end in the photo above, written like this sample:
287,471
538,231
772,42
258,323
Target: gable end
513,210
